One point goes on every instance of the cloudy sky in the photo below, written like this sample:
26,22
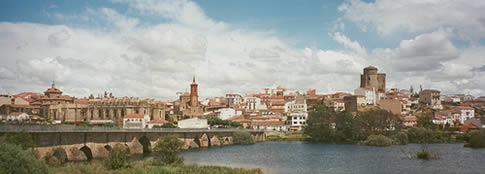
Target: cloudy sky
152,48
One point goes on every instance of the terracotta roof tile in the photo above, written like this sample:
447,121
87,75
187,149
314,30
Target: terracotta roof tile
267,123
134,115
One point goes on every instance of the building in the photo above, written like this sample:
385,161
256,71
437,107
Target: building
135,121
152,123
49,101
410,121
297,113
452,99
233,99
193,123
431,97
391,105
371,79
5,99
350,103
369,93
269,125
226,113
17,116
466,113
254,103
29,109
479,122
187,106
194,94
338,104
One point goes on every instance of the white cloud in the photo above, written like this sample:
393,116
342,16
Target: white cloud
157,60
388,16
353,45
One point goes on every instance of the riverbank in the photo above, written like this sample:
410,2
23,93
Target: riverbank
146,167
294,136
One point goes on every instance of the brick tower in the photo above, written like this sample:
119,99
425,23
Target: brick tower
194,96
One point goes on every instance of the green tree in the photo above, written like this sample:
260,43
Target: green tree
320,124
346,128
117,157
15,160
168,146
379,122
426,122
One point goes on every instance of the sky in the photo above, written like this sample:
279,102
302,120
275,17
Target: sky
153,48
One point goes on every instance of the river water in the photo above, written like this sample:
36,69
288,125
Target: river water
302,158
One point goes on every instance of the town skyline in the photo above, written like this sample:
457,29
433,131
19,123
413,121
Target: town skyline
145,49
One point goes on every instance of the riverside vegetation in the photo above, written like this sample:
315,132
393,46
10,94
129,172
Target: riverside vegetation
16,157
379,128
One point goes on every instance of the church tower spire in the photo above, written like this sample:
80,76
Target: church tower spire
194,96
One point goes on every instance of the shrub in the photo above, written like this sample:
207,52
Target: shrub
423,155
57,157
401,138
60,155
378,140
242,138
477,140
13,159
168,146
166,125
423,135
117,157
23,139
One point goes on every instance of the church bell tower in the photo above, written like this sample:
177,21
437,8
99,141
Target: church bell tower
194,96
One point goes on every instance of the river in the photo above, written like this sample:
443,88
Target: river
302,158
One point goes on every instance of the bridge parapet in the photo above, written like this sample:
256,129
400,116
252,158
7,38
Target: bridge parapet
82,143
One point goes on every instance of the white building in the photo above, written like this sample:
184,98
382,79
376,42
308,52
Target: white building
156,123
254,103
269,125
194,123
17,116
233,99
225,113
453,99
369,93
297,113
466,113
136,121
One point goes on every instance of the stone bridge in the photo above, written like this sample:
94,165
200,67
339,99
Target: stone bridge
85,144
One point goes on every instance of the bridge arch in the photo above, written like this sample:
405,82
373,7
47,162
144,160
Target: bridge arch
108,148
87,151
197,141
145,142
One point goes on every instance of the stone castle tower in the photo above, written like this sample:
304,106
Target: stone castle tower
372,79
194,96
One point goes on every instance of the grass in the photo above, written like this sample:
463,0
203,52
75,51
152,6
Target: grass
287,137
144,167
